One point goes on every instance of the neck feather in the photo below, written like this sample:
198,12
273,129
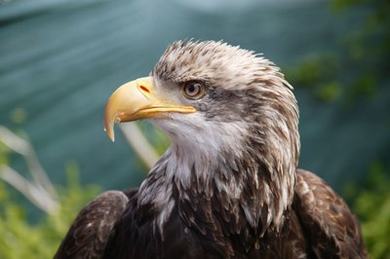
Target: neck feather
243,184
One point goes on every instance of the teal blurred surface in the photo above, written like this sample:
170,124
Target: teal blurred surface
60,60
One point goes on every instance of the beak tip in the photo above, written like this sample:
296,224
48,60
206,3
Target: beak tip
110,134
112,138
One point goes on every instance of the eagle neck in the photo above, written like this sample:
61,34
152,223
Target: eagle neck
238,183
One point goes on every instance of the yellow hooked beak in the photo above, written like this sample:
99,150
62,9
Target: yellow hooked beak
137,100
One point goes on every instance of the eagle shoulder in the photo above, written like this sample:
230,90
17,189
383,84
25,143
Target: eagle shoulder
89,232
329,226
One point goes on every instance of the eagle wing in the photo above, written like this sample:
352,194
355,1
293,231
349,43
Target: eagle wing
89,233
328,224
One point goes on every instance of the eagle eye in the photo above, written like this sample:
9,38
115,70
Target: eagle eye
193,90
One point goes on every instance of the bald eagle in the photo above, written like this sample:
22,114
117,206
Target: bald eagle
228,186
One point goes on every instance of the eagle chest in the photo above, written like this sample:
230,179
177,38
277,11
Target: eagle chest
195,233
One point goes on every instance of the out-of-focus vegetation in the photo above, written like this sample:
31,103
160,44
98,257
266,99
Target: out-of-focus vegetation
360,65
19,237
371,203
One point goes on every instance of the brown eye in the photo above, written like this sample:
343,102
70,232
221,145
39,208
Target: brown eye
193,90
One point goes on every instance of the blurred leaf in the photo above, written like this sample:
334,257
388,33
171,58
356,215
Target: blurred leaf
329,92
372,205
313,70
338,5
365,86
4,152
18,116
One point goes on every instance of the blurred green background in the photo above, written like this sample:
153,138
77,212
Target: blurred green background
61,59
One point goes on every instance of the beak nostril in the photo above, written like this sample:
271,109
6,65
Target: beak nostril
145,89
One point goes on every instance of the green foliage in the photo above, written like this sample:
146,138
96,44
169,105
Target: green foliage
360,66
4,151
20,238
318,75
372,205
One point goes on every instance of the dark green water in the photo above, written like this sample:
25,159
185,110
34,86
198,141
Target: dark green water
60,60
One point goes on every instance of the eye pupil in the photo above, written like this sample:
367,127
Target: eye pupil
193,89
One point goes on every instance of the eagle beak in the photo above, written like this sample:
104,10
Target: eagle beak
137,100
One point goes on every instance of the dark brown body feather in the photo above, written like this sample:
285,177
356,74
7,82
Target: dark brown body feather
330,228
319,225
89,233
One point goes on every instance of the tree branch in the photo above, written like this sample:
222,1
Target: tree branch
139,143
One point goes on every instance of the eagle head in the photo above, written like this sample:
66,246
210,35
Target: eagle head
226,110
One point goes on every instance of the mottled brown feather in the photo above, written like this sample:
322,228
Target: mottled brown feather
89,233
330,227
